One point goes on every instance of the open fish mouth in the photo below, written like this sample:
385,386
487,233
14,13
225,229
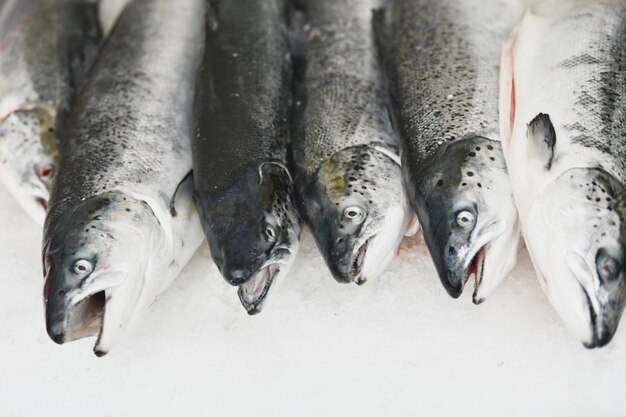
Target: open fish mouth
254,291
476,268
356,270
83,319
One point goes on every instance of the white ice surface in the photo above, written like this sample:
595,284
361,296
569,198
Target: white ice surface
398,346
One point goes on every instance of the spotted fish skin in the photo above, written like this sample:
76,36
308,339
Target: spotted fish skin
46,47
243,188
117,227
345,151
442,59
563,107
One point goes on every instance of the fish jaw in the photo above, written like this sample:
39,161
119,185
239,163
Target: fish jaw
254,292
28,157
499,256
99,258
79,313
383,246
576,236
465,207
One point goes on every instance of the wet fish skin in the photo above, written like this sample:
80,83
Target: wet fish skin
348,176
243,188
445,95
121,223
46,48
564,134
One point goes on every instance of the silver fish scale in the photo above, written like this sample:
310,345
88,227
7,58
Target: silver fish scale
443,57
600,90
130,127
346,100
28,71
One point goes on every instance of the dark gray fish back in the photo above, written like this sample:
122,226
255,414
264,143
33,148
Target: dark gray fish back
442,58
345,102
29,63
243,91
130,127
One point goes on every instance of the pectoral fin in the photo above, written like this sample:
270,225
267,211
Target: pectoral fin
543,138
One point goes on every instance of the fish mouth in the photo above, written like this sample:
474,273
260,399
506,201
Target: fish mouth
600,336
253,292
83,312
476,268
458,277
81,319
356,269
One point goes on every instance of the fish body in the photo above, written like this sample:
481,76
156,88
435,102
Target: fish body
346,158
442,59
563,107
46,47
121,223
243,188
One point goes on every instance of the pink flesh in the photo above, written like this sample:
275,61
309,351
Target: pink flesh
507,91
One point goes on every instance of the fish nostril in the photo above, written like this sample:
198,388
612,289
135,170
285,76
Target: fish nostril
609,269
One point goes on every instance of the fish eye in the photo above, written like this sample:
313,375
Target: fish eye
82,267
353,213
465,219
608,268
270,233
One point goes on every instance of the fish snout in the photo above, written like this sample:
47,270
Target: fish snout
239,271
600,341
235,277
454,282
450,267
454,270
56,332
603,291
340,272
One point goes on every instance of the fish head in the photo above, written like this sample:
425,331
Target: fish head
576,235
466,210
253,231
97,257
358,211
28,156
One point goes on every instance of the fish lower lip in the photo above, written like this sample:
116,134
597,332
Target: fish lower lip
605,337
476,268
357,264
253,292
